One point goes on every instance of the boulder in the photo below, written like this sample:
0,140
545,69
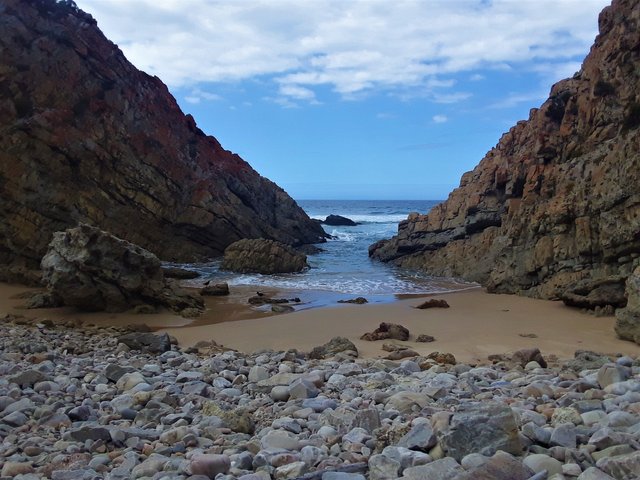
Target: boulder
628,319
480,427
146,342
526,355
339,221
179,273
216,290
93,270
262,256
591,294
333,347
357,301
433,303
424,338
387,331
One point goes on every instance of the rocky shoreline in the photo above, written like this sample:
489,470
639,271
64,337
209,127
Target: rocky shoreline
77,402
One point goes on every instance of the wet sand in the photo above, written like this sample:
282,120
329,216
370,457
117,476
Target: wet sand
477,324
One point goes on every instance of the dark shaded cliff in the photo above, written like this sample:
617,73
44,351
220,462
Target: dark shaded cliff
554,209
86,137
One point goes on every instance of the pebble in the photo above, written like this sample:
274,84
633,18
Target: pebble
116,413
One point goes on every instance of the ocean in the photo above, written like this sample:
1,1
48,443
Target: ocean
343,269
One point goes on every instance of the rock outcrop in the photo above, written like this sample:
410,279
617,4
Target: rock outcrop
556,203
92,270
259,255
628,319
86,137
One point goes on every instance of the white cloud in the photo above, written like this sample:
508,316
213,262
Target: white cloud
440,119
476,77
197,95
352,47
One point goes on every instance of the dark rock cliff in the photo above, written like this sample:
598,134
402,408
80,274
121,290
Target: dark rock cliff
555,206
86,137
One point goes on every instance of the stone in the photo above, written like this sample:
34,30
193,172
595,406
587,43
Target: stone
215,290
280,393
564,435
387,331
333,347
342,476
93,270
13,469
89,432
433,303
280,439
27,378
257,373
282,308
129,380
383,468
481,428
262,256
357,301
424,338
146,342
540,462
444,469
179,273
526,355
501,466
420,437
114,371
407,402
209,465
593,473
612,373
339,221
345,419
302,388
623,467
446,358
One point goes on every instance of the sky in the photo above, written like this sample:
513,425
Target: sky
352,99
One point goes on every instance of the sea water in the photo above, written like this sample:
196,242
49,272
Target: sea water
343,268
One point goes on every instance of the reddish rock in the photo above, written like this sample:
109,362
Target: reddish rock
433,303
89,138
555,203
387,331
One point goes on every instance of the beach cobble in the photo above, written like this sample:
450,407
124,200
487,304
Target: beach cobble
77,403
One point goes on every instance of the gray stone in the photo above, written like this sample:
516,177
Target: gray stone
539,462
209,465
480,428
420,437
564,435
383,468
89,432
114,371
342,476
444,469
146,342
258,373
280,439
302,388
612,373
333,347
593,473
27,378
621,467
408,402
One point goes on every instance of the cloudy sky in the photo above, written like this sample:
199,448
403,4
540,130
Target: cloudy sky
355,99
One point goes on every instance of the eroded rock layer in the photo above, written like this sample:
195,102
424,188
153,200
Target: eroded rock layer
556,203
86,137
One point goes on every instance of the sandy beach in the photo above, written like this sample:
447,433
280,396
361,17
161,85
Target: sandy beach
476,325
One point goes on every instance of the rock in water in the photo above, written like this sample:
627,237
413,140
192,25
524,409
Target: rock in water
339,221
556,201
92,270
106,144
628,319
262,256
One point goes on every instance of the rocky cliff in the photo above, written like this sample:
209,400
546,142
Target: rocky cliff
555,206
86,137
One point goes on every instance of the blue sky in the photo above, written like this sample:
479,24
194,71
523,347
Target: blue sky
355,99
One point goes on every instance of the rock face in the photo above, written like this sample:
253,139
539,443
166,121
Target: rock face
628,319
556,202
262,256
92,270
86,137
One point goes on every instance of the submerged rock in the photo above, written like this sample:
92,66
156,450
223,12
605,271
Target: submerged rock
262,256
357,301
93,270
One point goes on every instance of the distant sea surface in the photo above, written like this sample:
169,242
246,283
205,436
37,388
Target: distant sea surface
343,269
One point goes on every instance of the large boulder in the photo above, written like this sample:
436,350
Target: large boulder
628,319
339,221
333,347
386,331
93,270
480,427
264,256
